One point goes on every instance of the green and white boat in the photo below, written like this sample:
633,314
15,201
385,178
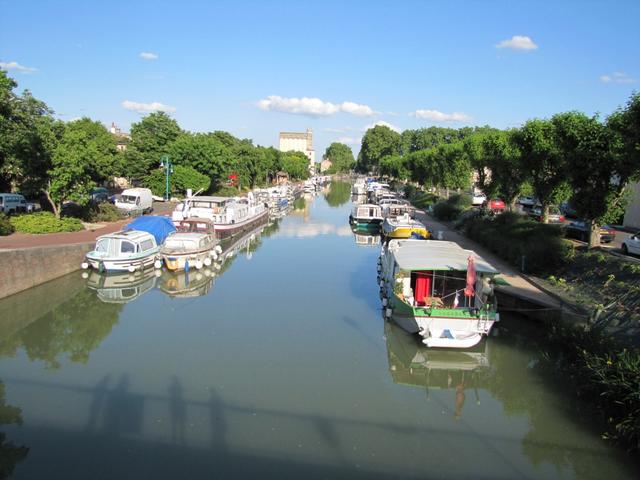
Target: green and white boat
366,215
439,290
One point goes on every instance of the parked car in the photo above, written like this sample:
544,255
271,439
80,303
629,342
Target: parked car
494,205
568,211
528,201
99,195
478,199
580,229
555,215
632,245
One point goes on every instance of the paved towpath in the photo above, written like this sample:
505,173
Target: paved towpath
518,285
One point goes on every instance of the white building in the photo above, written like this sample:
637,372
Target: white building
299,142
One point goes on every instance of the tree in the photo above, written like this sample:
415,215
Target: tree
296,164
542,162
473,150
504,162
205,153
454,170
395,166
340,156
150,139
378,142
182,178
599,167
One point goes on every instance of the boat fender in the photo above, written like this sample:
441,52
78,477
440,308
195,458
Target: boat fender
388,312
384,302
157,273
131,268
84,265
497,317
207,261
85,275
218,249
381,283
186,266
198,265
214,255
157,264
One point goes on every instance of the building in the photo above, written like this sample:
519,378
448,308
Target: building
325,165
122,139
299,142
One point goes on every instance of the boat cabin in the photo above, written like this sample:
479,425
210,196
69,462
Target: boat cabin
195,225
433,273
367,213
125,244
202,207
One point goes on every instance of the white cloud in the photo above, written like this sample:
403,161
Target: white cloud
437,116
350,140
518,42
617,77
383,124
314,107
147,107
17,67
148,56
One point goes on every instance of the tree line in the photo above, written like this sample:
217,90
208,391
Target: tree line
573,157
41,156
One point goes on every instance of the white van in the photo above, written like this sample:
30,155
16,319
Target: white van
12,203
135,199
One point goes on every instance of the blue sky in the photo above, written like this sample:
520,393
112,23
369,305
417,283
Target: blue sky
257,68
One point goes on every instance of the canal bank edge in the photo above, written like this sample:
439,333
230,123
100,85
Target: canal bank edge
27,267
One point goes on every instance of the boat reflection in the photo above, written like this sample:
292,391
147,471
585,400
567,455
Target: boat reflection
412,364
122,287
187,284
366,238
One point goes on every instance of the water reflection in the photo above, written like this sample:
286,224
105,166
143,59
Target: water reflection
60,318
10,454
457,370
122,287
338,193
366,239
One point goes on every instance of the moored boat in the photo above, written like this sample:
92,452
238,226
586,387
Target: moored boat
192,245
403,226
367,215
439,290
133,248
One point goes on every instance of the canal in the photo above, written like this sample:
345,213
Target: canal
277,364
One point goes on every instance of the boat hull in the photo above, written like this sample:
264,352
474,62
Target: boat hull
225,230
114,264
177,262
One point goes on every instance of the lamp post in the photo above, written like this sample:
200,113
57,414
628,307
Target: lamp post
165,162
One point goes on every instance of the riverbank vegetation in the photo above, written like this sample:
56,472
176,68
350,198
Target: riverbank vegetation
43,157
571,156
45,222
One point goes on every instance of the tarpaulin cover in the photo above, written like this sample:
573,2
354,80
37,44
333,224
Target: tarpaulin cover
159,227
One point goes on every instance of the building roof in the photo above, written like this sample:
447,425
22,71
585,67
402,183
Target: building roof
435,255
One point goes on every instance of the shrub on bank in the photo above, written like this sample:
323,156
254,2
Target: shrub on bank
45,222
104,212
451,208
5,225
227,192
540,247
604,374
418,198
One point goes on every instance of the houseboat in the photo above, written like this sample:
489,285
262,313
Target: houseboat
439,290
403,226
230,215
366,215
193,245
133,248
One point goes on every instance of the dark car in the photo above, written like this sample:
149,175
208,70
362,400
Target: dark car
99,195
580,229
555,215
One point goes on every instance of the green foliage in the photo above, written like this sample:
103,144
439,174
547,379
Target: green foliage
45,222
512,236
296,164
450,209
504,160
418,198
181,179
5,225
227,191
395,166
151,138
204,152
377,143
104,212
341,157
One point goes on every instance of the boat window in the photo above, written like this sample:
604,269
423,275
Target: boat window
102,245
146,245
128,292
127,247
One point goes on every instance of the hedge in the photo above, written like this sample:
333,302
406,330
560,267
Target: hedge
45,222
5,225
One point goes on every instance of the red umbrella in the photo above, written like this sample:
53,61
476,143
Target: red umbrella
471,277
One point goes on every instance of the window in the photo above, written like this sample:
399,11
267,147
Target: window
127,247
102,245
146,245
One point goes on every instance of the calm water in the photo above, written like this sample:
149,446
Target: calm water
276,365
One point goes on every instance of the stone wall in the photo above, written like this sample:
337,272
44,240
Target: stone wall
28,267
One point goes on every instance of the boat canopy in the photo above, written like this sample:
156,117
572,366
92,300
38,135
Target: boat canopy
159,227
411,255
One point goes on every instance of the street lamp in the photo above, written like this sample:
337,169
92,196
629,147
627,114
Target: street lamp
165,162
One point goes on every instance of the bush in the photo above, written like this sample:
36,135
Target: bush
227,192
450,209
5,225
512,236
104,212
45,222
181,179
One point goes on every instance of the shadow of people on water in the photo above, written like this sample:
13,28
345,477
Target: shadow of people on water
177,411
99,396
123,411
217,421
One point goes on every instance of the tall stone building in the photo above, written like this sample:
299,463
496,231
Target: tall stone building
299,142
